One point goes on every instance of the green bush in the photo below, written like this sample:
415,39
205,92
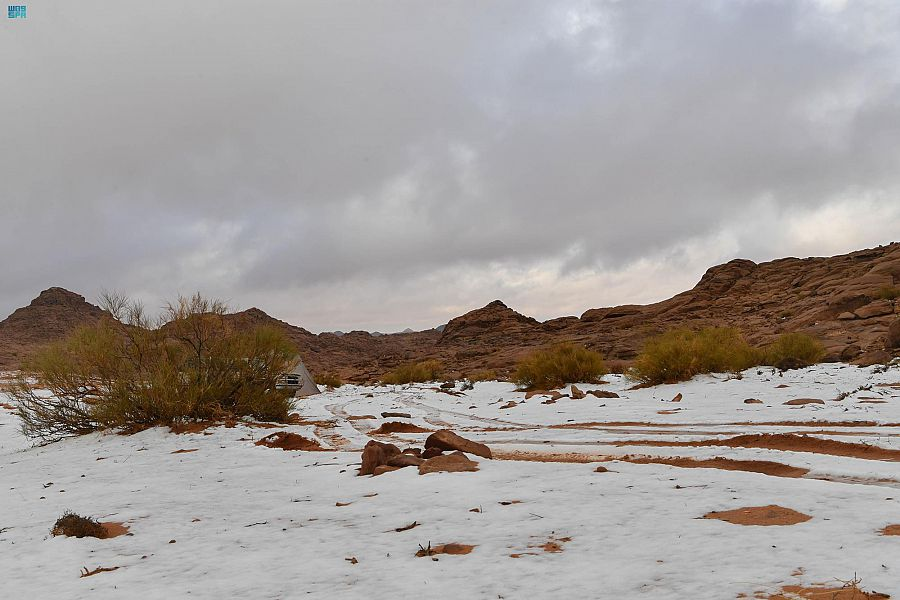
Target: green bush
419,372
679,354
793,350
127,371
556,366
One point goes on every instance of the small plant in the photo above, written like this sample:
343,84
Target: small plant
793,350
679,354
420,372
558,365
329,380
72,525
888,293
482,375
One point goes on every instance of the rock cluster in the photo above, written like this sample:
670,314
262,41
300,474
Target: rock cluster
381,457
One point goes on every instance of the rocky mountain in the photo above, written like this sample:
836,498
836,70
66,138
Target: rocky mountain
848,301
55,313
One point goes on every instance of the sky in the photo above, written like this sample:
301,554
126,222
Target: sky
381,165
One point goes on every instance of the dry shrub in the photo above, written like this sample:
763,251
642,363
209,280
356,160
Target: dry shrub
420,372
482,375
679,354
888,293
329,380
558,365
72,525
793,350
127,371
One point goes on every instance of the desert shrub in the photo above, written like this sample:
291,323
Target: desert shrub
72,525
482,375
329,379
888,293
558,365
419,372
679,354
793,350
128,371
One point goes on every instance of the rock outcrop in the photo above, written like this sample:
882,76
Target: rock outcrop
847,301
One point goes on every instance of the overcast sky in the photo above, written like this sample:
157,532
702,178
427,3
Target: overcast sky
382,165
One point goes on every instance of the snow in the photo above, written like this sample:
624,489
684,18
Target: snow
255,522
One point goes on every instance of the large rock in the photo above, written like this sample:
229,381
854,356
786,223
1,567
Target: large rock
404,460
376,454
451,463
576,393
893,335
447,440
879,308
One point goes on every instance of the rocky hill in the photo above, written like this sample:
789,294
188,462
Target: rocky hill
847,301
50,316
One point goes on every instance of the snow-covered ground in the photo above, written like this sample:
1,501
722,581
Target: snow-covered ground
234,520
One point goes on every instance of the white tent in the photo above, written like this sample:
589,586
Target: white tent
299,380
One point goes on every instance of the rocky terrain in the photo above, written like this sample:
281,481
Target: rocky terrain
846,301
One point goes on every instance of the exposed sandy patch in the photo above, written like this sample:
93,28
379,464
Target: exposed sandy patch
361,417
451,548
296,419
552,545
775,469
552,457
784,442
759,515
7,406
848,592
114,529
398,427
803,401
891,530
289,441
668,412
202,426
184,451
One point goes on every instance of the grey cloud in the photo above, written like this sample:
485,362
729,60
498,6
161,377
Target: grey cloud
307,156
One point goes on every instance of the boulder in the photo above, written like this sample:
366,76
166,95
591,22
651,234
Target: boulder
576,393
382,469
404,460
413,451
447,440
376,454
399,415
753,401
879,308
451,463
431,452
677,397
893,335
850,352
603,394
846,316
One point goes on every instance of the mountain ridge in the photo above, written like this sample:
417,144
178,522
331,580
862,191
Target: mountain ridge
837,299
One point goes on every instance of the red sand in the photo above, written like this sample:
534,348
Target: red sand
760,515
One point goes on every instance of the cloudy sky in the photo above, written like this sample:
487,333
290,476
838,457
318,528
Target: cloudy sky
382,165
